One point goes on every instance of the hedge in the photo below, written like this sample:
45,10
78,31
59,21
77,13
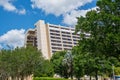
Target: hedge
48,78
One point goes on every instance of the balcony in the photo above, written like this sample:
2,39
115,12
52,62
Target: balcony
55,41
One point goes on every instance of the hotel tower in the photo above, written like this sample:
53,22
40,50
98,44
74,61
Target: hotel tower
50,38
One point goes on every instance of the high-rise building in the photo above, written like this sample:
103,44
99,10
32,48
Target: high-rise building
50,38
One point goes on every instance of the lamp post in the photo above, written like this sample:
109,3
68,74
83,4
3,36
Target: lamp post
113,72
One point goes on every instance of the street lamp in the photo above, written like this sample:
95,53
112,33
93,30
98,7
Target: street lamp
113,72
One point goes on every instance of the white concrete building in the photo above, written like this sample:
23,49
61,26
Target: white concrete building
50,38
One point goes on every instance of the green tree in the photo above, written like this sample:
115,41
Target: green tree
103,28
44,69
18,63
86,63
58,66
68,63
4,65
78,63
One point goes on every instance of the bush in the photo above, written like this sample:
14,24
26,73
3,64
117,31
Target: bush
117,70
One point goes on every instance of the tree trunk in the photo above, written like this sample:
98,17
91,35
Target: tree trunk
22,77
12,77
71,72
96,75
78,78
90,78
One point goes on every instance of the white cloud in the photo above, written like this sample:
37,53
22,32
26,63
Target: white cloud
14,38
68,9
7,5
22,11
70,18
58,7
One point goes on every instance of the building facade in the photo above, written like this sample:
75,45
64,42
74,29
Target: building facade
50,38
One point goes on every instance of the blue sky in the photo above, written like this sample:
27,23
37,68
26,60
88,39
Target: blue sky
16,16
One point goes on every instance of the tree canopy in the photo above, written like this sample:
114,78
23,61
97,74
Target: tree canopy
102,47
103,25
57,61
19,63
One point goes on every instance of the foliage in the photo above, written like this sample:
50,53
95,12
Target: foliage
18,63
45,69
85,63
59,68
101,49
117,70
68,63
78,61
103,26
